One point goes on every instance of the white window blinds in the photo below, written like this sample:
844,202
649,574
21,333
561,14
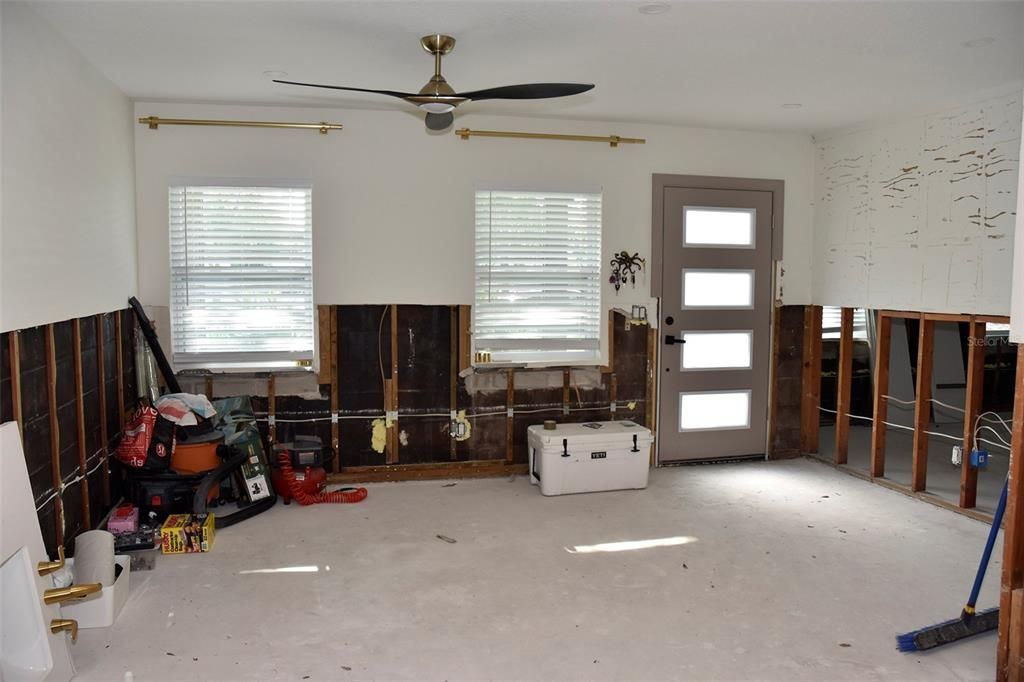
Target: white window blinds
538,276
832,319
241,276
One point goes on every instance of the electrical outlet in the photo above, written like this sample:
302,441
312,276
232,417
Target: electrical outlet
958,455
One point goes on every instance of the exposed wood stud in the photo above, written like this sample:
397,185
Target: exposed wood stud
83,455
566,385
972,408
811,378
510,422
773,422
1015,660
14,346
333,364
922,404
992,319
844,384
394,386
613,393
610,367
323,319
900,314
465,343
119,341
271,410
880,407
946,317
650,411
208,387
1013,531
389,441
101,371
51,396
453,373
427,471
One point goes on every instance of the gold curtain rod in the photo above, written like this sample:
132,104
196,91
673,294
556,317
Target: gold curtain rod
611,140
154,122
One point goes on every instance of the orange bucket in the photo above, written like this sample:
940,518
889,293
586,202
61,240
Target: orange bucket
198,458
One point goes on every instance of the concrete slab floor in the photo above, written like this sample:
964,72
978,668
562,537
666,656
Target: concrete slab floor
781,571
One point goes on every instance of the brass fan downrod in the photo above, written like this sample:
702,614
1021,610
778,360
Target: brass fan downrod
438,45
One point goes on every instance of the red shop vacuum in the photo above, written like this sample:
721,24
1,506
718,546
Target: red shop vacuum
299,474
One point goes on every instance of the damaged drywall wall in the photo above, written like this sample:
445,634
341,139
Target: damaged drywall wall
919,214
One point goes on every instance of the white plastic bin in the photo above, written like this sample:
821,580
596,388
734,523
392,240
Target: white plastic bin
100,610
589,457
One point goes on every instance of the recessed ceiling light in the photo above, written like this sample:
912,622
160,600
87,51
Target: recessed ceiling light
978,42
792,105
275,74
654,8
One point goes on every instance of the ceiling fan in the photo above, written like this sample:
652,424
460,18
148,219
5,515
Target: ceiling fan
438,99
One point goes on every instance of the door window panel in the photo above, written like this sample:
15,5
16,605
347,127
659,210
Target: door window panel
718,227
714,410
718,288
716,350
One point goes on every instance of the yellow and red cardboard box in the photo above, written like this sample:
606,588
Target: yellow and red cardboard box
187,533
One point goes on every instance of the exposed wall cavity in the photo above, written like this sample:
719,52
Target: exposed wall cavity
919,214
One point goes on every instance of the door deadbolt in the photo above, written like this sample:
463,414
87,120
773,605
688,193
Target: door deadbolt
670,320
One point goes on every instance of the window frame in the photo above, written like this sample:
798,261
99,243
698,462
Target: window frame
277,361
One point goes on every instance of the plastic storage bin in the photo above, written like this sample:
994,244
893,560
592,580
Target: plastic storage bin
100,611
589,457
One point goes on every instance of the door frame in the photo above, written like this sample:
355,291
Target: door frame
662,181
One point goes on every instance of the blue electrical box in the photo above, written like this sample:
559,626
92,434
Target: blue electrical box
979,458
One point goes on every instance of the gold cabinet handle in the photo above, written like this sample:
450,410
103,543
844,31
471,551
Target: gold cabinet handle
47,567
59,595
65,625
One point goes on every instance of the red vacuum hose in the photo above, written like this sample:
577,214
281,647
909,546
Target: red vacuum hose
304,498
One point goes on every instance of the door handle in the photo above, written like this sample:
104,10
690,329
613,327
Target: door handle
671,340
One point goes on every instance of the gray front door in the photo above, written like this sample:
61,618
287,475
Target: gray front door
716,293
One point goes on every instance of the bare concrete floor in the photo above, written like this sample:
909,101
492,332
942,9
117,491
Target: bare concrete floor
783,571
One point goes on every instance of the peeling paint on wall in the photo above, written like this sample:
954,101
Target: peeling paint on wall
919,214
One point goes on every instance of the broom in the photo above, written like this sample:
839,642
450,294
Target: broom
970,622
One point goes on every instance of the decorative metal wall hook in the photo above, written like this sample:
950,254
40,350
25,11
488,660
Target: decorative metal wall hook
625,267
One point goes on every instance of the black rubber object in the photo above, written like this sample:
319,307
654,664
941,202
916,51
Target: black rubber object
234,459
154,345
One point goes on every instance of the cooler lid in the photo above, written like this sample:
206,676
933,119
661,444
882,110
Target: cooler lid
592,432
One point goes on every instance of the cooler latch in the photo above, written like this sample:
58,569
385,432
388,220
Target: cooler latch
635,448
565,447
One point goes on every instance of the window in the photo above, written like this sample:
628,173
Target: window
538,277
831,320
241,276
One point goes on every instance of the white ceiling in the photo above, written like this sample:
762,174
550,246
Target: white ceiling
719,64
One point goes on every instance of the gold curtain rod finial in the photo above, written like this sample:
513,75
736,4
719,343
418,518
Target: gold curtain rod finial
610,140
154,122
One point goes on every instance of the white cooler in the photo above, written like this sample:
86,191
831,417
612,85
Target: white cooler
588,457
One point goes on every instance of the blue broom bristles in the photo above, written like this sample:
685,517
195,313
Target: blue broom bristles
948,631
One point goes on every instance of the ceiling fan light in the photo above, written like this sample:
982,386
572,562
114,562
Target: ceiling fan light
437,107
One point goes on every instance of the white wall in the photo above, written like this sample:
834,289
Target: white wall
68,216
393,204
919,214
1017,303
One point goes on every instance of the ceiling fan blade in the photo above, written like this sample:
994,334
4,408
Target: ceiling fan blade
439,121
390,93
529,91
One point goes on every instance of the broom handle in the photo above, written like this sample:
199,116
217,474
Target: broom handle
993,532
